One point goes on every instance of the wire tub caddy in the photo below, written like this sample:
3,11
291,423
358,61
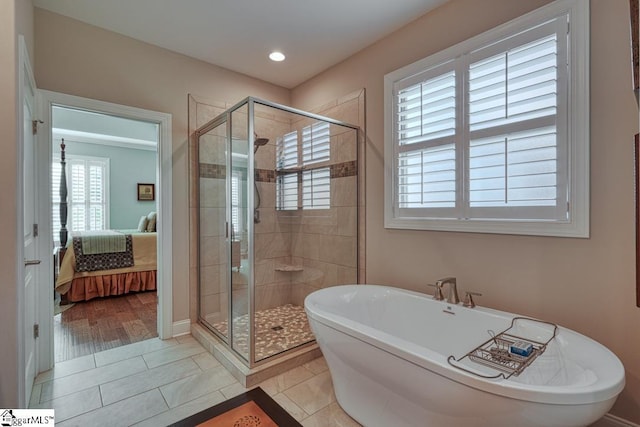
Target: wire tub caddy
495,352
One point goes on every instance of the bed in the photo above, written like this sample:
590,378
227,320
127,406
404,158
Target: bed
106,262
79,282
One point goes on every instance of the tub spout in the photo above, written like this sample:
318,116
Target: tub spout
437,294
452,295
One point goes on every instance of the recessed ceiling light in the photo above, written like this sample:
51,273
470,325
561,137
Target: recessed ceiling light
276,56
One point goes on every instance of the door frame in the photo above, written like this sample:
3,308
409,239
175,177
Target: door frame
164,175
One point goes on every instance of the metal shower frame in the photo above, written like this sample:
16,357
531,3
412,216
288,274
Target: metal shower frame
226,117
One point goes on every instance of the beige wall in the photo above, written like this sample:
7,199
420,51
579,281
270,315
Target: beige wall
24,25
82,60
8,217
584,284
587,285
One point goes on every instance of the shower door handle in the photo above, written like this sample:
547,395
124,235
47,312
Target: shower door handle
226,229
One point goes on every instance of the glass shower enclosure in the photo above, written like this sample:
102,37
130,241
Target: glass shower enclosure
277,210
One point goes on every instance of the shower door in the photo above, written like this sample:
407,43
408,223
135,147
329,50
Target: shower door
213,270
239,230
225,226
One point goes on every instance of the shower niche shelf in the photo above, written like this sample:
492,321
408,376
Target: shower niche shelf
495,352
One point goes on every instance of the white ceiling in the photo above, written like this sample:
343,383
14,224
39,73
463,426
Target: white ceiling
97,128
239,34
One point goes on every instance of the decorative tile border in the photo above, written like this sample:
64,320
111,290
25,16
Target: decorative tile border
208,170
265,175
342,170
339,170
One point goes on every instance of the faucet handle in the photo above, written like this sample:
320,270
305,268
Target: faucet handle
468,298
437,294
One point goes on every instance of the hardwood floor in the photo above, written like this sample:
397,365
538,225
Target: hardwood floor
103,323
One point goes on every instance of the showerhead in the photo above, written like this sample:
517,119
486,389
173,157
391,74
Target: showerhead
259,142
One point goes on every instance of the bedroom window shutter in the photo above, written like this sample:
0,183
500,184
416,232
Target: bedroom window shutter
77,196
96,196
87,187
56,170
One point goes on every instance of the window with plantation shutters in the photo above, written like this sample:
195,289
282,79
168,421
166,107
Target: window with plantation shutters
287,151
426,129
87,187
316,186
316,183
315,143
287,192
236,199
302,181
55,198
491,135
287,182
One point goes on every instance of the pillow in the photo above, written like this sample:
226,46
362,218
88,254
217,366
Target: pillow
151,222
142,224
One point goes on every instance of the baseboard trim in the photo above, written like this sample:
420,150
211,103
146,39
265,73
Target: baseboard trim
614,421
182,327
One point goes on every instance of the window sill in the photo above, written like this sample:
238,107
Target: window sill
575,229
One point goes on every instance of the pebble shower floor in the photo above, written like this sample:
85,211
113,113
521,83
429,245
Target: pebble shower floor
276,330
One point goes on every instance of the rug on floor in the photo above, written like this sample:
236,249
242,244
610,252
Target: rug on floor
255,408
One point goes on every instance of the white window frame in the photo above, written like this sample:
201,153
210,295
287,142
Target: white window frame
577,129
71,159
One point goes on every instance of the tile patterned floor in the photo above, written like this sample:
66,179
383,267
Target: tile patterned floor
277,329
155,383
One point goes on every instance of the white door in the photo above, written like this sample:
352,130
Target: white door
29,205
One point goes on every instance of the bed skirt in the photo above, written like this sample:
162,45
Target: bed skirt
86,288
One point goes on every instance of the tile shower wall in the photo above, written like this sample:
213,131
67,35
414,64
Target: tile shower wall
325,241
272,238
200,112
347,189
213,256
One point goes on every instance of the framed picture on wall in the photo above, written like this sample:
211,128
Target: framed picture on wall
146,192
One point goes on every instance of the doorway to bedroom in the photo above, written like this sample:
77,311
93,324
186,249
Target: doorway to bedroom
104,211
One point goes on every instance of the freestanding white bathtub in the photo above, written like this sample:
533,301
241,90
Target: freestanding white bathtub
387,352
